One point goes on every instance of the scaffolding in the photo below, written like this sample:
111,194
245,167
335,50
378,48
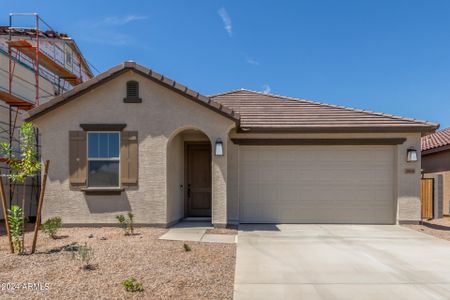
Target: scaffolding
44,60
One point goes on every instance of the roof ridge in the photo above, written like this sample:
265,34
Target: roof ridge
225,93
339,106
442,131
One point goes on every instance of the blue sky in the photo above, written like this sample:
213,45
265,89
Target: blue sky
388,56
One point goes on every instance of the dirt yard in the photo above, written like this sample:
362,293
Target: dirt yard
164,268
439,228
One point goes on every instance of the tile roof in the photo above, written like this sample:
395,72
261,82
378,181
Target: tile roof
260,111
4,30
436,140
256,111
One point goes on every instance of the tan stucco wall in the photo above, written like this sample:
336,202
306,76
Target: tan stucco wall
161,116
407,187
436,162
446,192
175,179
233,182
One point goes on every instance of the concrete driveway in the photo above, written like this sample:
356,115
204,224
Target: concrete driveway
340,262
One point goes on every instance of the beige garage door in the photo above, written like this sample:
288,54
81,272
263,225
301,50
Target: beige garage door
317,184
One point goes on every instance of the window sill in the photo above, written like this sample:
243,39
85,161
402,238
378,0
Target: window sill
103,190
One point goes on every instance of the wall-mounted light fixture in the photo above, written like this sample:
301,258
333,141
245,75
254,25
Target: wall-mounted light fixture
411,155
218,148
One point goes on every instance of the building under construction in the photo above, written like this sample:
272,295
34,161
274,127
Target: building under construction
36,64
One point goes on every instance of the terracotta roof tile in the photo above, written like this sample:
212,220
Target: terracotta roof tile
260,110
436,140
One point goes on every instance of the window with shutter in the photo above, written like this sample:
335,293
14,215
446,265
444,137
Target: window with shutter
132,92
105,159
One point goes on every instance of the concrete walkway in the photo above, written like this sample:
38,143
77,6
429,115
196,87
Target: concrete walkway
340,262
196,232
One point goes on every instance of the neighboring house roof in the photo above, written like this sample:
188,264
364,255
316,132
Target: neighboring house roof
261,111
435,142
256,111
4,30
120,69
29,32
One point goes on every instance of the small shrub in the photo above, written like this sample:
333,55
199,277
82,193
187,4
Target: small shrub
121,219
122,222
51,226
16,225
127,223
132,285
131,223
186,247
84,254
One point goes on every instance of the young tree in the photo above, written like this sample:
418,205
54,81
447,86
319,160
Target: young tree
24,165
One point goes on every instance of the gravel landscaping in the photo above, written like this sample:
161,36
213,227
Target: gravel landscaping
164,268
439,228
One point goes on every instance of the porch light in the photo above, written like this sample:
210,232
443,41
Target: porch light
218,149
411,155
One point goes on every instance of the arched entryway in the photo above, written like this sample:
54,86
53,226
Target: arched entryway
189,176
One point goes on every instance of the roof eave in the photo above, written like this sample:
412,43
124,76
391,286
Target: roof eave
399,129
436,150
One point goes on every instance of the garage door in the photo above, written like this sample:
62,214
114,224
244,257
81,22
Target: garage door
316,184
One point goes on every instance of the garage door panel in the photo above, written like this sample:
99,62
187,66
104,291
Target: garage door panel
267,193
316,184
287,193
250,194
249,174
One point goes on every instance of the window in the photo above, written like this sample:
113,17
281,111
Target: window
132,92
103,153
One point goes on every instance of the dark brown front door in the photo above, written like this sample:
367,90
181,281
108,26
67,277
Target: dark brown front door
198,180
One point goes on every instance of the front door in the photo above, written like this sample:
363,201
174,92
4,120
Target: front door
198,166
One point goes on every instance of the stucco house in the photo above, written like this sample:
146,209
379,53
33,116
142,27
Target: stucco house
436,161
133,140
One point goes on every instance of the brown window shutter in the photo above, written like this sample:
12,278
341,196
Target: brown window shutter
77,157
129,158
